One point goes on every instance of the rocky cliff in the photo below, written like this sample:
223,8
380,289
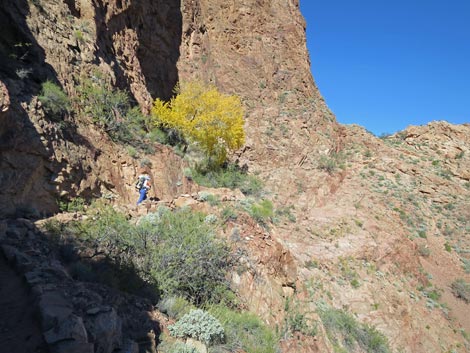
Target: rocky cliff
377,227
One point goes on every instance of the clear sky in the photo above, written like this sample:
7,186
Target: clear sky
389,64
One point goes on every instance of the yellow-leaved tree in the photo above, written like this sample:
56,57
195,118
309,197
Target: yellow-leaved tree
203,115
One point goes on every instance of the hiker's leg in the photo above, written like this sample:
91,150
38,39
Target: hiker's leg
142,196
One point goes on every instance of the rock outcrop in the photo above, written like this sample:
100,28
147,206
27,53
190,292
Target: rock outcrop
74,316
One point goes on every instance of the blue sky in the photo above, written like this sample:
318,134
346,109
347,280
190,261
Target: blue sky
389,64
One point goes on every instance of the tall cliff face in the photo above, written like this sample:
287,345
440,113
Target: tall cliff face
254,49
135,46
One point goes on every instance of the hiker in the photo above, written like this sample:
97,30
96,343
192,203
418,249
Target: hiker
143,185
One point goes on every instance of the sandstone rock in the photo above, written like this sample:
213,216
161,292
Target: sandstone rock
185,201
53,308
105,329
4,98
22,261
34,278
72,347
68,328
9,252
129,346
47,274
25,223
16,232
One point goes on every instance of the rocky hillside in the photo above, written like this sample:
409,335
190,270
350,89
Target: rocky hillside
377,229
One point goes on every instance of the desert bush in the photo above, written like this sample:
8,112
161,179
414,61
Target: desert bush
175,307
286,212
466,265
229,214
461,289
176,252
244,331
107,231
296,320
54,100
424,250
344,331
204,116
111,109
230,176
159,135
262,211
200,325
331,162
189,260
176,347
76,204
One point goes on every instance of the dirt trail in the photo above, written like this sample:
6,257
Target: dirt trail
19,330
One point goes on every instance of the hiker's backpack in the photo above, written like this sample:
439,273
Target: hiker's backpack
140,183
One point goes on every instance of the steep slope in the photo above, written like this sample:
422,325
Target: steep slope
386,234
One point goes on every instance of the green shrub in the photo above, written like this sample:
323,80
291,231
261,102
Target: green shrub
189,260
175,307
344,331
466,265
447,247
111,109
355,283
132,152
287,213
330,163
75,205
159,135
145,163
176,252
200,325
461,289
422,234
175,347
108,231
327,164
297,321
244,331
231,176
424,250
54,100
208,197
262,211
79,36
229,214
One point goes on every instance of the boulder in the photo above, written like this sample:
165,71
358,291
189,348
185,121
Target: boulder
72,347
105,329
53,308
69,328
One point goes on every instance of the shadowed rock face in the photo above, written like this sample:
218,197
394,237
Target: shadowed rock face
140,40
23,157
136,45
